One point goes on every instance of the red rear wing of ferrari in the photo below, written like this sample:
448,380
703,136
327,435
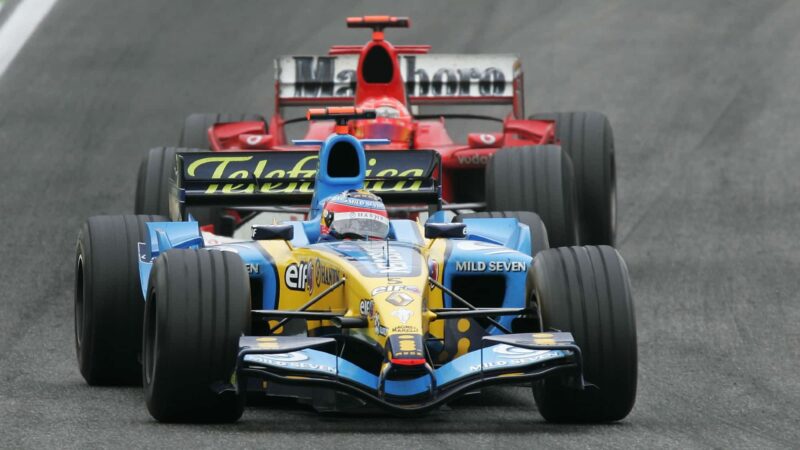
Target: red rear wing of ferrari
429,79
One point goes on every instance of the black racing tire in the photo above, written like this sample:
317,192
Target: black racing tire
198,305
153,186
586,291
153,182
108,299
537,179
537,228
588,139
195,128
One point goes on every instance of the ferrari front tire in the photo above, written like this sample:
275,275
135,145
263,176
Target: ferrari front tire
108,299
586,291
538,179
155,181
198,305
589,141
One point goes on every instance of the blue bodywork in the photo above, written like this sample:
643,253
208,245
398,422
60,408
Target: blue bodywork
499,241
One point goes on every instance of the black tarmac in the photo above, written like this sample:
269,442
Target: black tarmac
704,98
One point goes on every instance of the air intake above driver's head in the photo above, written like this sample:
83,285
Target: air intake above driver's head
343,160
378,66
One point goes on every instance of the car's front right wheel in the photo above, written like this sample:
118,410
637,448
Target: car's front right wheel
586,291
537,179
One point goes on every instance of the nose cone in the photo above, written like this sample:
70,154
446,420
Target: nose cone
399,310
405,350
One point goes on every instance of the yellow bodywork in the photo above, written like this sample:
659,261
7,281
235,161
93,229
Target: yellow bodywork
394,303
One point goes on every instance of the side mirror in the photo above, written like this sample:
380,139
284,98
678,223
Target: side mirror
445,230
272,232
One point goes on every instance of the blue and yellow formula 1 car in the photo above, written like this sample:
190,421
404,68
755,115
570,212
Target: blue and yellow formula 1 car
408,323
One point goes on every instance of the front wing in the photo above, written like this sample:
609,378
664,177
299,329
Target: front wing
312,362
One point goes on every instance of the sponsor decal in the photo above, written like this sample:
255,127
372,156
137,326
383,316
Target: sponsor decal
253,140
475,159
229,167
363,195
314,76
379,328
296,276
453,78
395,288
405,329
403,315
293,360
324,274
424,75
358,201
399,299
491,266
360,215
253,269
509,351
515,356
488,139
366,307
288,357
294,172
478,246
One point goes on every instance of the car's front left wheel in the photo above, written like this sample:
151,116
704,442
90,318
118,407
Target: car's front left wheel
198,305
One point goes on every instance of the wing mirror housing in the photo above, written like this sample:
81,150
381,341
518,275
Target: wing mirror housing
445,230
272,232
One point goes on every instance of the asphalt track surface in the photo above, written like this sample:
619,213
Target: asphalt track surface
704,99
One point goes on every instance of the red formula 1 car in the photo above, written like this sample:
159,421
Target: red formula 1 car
560,166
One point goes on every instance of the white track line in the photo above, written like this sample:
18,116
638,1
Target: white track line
18,27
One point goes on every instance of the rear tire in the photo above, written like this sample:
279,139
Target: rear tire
198,305
154,183
195,128
588,139
538,231
586,291
157,167
108,299
537,179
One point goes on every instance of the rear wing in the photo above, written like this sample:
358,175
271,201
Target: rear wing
429,79
268,178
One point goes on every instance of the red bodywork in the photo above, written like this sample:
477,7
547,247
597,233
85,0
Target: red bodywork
462,163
